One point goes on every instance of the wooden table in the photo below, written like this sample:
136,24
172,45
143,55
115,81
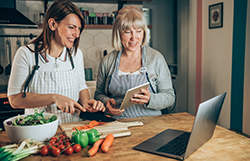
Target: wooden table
225,145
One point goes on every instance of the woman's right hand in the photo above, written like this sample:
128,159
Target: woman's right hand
110,106
67,105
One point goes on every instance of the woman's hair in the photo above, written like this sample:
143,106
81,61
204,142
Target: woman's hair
128,17
58,11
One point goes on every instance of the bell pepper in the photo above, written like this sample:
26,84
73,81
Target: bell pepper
93,135
80,137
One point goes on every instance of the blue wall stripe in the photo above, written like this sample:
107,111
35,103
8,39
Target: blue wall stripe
238,64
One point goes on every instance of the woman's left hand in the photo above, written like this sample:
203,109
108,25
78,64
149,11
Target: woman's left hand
141,98
94,106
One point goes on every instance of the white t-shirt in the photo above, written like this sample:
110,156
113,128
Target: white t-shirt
24,61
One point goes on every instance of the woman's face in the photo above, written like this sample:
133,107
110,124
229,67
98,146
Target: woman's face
132,39
68,30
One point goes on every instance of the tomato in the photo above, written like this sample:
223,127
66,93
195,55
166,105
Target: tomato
51,149
56,152
54,139
62,136
67,144
60,142
77,148
44,150
69,150
61,147
52,142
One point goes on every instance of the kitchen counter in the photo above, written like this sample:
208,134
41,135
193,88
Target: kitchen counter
224,145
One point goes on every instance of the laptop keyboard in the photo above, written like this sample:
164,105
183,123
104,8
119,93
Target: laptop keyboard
176,146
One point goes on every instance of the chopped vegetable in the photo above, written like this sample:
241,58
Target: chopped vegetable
93,135
91,124
80,137
14,152
108,141
33,119
95,148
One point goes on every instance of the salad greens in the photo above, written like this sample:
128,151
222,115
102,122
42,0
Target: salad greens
31,120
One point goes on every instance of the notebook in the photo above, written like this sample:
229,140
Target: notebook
167,142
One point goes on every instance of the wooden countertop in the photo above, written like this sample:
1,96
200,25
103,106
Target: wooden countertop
224,145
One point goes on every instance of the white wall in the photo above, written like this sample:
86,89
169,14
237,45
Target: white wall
217,58
192,56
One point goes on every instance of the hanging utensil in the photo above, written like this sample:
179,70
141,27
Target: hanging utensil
1,67
8,67
18,43
25,41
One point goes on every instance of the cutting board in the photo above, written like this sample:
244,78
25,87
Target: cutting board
117,128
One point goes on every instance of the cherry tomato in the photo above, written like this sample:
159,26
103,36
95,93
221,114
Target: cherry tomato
67,143
44,150
69,150
51,149
61,147
60,142
77,148
52,142
54,139
62,136
56,152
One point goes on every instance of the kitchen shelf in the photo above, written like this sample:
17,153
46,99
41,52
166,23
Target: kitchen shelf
96,26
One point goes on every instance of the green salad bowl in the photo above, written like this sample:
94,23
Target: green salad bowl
36,132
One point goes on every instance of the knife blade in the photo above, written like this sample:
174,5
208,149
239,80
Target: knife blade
98,116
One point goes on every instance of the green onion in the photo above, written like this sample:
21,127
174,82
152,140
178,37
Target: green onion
14,152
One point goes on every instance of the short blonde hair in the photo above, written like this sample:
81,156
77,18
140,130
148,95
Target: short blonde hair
128,17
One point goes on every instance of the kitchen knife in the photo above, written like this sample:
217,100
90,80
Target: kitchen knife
98,116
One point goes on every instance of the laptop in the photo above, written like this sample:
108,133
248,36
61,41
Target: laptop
181,144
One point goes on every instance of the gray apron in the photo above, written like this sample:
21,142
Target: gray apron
63,83
120,84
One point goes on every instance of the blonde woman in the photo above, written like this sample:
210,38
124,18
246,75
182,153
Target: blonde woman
132,63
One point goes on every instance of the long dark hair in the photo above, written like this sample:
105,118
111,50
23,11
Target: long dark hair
58,10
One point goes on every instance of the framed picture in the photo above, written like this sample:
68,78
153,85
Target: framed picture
216,15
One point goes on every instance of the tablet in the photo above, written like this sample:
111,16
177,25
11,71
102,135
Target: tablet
126,101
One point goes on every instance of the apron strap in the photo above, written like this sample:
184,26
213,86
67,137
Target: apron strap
32,73
71,59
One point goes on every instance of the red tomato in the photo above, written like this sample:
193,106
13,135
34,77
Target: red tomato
56,152
54,139
67,143
69,150
44,150
62,136
52,142
60,142
61,147
51,149
77,148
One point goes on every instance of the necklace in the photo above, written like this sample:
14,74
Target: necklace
56,65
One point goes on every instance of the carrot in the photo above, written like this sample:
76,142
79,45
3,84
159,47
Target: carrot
95,148
108,141
91,124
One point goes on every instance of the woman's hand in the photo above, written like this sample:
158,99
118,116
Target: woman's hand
94,106
141,98
67,105
110,105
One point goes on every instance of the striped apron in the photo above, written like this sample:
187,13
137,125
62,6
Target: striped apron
63,83
120,84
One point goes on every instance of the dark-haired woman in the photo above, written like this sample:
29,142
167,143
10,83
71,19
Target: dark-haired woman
48,73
